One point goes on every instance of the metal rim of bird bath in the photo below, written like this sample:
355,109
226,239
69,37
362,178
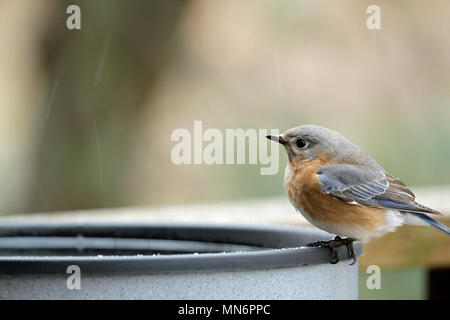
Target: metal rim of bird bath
149,248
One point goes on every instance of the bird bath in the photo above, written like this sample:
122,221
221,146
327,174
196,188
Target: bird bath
170,261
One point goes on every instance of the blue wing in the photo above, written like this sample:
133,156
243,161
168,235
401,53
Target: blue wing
370,187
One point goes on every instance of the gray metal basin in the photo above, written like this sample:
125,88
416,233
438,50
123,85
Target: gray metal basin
170,261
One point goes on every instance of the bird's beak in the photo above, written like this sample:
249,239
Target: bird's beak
276,138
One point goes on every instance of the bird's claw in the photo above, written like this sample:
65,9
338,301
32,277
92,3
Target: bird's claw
333,244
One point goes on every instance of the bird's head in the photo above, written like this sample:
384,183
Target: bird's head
308,142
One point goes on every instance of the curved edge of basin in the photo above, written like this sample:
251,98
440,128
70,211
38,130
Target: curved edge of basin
281,247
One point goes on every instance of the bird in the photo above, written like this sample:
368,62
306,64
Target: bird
341,189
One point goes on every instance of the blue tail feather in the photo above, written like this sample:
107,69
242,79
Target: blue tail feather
432,222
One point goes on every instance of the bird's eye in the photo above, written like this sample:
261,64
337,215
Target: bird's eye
301,143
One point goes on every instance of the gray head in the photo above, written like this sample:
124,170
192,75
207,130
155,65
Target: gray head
309,142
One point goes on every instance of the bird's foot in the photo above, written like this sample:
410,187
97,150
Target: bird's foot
333,244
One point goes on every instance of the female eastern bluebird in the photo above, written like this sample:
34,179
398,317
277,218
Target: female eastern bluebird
339,188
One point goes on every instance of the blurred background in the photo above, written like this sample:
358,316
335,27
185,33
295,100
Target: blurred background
86,115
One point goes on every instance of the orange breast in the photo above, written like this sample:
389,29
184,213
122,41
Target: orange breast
303,188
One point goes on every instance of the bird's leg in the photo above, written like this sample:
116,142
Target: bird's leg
333,244
352,251
348,242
